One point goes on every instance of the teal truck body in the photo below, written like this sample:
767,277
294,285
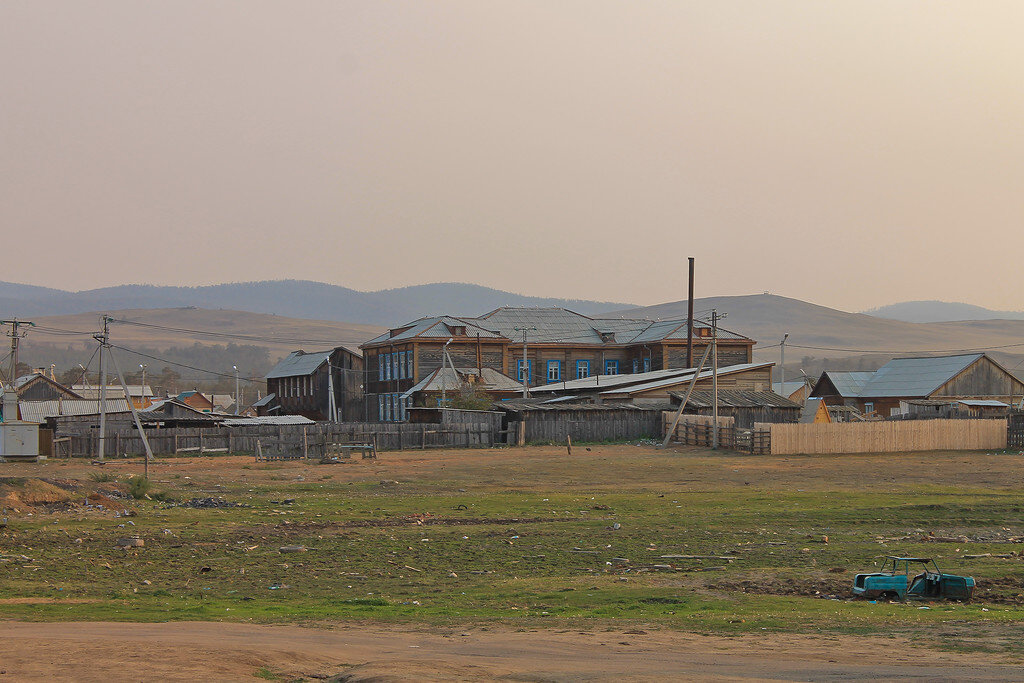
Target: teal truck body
927,582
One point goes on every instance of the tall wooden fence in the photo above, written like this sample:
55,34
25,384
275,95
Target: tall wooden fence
310,439
589,425
698,430
886,437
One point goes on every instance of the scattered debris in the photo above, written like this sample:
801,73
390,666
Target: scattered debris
133,542
292,549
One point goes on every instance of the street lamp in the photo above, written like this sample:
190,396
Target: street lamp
235,367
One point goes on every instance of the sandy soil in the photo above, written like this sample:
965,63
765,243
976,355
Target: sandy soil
213,651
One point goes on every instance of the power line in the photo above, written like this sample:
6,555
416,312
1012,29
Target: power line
180,365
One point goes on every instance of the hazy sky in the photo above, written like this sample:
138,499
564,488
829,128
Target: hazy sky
848,153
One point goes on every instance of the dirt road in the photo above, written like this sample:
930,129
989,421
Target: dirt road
372,652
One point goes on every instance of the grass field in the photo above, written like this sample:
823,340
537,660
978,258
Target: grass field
524,537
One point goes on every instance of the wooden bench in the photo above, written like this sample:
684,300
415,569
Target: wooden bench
261,455
344,450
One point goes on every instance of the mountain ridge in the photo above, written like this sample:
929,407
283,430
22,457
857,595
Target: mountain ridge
293,298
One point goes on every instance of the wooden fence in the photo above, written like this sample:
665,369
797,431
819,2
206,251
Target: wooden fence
698,430
587,426
310,439
886,437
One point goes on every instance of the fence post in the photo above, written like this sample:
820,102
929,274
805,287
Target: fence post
305,444
202,445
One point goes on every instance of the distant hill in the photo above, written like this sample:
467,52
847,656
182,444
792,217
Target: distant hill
852,340
940,311
292,298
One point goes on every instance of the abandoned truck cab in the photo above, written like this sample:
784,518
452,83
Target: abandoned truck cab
895,581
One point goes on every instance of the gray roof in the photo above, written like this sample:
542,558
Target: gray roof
915,376
444,378
267,420
737,398
299,364
849,384
38,411
266,400
609,381
810,410
672,381
786,388
549,325
436,327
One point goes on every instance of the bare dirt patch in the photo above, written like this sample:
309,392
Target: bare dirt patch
101,651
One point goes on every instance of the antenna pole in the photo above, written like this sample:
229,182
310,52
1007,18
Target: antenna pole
103,338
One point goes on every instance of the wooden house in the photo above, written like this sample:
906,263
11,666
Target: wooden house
197,400
561,345
320,385
886,391
38,387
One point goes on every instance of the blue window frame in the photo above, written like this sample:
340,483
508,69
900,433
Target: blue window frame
582,369
554,371
529,370
647,364
408,365
381,362
380,408
636,365
394,365
611,367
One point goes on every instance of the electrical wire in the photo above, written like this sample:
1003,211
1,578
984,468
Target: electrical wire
185,365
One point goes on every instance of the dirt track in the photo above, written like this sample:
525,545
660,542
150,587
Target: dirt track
214,651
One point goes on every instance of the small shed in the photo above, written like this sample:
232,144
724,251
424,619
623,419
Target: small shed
547,422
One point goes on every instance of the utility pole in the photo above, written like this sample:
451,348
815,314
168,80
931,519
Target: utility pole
142,389
440,375
689,320
15,339
714,377
236,385
526,363
103,338
782,366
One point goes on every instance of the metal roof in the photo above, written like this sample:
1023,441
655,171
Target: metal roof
915,376
608,381
266,400
445,379
520,405
849,384
38,411
436,327
267,420
786,388
299,364
736,398
549,326
983,403
706,374
93,392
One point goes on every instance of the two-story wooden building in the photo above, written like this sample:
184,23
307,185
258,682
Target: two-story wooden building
560,345
320,385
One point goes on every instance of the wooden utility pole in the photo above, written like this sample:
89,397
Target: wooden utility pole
15,339
103,338
714,377
526,362
689,320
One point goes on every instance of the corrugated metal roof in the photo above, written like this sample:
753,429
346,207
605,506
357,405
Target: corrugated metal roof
268,420
736,398
706,374
112,390
849,384
38,411
299,364
437,327
915,376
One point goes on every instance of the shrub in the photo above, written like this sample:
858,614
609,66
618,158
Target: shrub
102,477
138,487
